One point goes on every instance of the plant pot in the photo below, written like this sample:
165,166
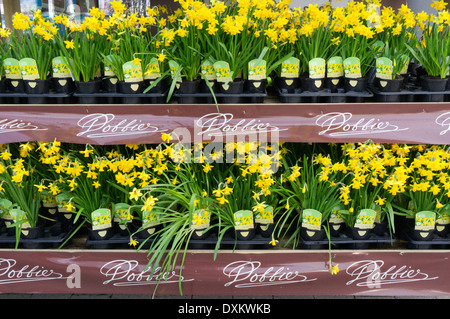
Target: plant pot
189,87
313,234
442,229
419,235
265,230
288,85
245,234
334,84
200,234
131,87
356,85
255,86
15,85
312,85
336,229
101,234
433,84
110,85
234,87
37,86
161,87
359,233
394,85
380,228
33,232
90,87
62,85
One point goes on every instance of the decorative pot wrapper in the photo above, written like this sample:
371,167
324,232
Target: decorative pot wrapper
311,219
425,220
12,69
152,70
132,72
223,72
48,200
200,219
352,68
257,71
384,68
336,216
174,67
60,68
19,215
317,68
28,68
243,220
365,219
290,68
5,208
207,69
264,217
101,219
122,213
335,67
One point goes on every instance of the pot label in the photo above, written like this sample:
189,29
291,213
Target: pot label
311,219
101,219
317,68
132,72
406,59
223,72
152,70
12,69
335,67
290,68
122,213
29,69
384,68
200,219
257,71
109,62
425,220
208,71
60,67
5,206
150,218
336,216
365,219
19,216
243,219
174,67
352,68
264,216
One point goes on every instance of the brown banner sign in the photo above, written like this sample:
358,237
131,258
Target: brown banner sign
274,272
422,123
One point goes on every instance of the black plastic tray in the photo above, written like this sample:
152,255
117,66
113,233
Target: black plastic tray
410,94
323,96
50,239
47,98
228,242
122,98
343,241
222,98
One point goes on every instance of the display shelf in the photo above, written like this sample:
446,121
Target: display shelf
273,271
233,273
415,123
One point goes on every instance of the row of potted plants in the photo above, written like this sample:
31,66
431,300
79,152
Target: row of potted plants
226,45
165,197
299,190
